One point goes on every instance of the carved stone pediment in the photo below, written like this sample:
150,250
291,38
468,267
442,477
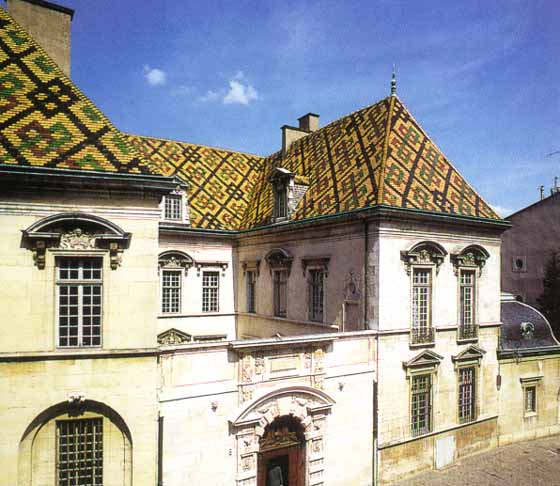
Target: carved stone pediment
175,260
424,253
473,256
279,258
77,239
425,359
174,336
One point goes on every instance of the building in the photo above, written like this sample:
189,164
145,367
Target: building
527,247
329,314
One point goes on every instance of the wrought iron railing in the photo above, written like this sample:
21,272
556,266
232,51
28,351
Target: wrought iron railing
422,335
468,332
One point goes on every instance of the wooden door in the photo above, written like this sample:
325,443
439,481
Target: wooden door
282,467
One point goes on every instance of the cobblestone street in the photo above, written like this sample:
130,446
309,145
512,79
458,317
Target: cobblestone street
532,463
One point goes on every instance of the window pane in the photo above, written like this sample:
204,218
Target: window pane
173,204
316,280
250,291
210,291
467,304
421,404
466,394
79,301
171,291
421,298
280,292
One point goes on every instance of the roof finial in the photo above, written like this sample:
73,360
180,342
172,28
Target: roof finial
394,83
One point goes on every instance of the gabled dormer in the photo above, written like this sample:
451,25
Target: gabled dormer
282,181
175,205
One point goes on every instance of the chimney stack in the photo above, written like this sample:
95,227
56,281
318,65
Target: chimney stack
49,24
309,122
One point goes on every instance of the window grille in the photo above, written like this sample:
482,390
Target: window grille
280,292
467,291
250,275
467,394
173,210
530,399
421,405
80,452
316,280
171,291
210,291
79,284
421,305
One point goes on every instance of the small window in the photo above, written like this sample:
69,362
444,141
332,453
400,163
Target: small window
530,399
250,276
79,289
173,207
467,397
315,283
421,404
280,292
80,452
171,291
210,291
281,202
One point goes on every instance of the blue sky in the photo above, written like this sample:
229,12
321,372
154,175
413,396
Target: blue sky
481,77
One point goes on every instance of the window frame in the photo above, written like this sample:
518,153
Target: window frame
209,288
473,385
80,283
462,335
417,431
179,207
250,291
276,292
280,201
311,284
162,287
97,427
533,387
422,336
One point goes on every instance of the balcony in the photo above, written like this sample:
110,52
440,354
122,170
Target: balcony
422,336
468,333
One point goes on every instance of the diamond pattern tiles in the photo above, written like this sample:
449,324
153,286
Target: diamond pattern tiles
418,175
46,121
220,181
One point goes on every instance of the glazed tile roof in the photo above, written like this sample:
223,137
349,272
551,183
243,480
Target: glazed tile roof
45,121
220,181
376,156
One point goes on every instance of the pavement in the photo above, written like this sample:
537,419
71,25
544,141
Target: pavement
531,463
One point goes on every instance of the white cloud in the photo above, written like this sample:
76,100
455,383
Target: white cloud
154,76
501,210
239,92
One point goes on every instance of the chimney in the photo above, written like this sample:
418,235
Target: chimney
49,24
309,122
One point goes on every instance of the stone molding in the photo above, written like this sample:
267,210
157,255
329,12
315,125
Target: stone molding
471,257
423,253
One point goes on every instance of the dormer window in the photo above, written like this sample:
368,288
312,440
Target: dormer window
282,181
280,202
174,206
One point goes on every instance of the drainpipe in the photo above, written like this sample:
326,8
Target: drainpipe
160,451
366,290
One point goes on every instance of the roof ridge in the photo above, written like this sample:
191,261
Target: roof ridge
164,139
381,188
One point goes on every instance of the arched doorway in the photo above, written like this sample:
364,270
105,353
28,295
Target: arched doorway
281,459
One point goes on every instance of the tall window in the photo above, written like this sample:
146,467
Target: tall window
171,291
422,305
467,394
530,399
467,291
210,291
250,276
80,452
421,404
79,288
315,283
280,292
281,201
173,209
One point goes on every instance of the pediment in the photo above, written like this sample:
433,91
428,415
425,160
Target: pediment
470,354
426,358
174,336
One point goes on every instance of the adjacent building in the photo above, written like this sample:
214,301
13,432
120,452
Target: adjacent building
326,315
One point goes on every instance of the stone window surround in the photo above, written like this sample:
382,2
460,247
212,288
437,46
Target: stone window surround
310,406
64,231
180,191
470,357
531,382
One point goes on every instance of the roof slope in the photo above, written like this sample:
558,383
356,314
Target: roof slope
220,182
46,121
378,155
